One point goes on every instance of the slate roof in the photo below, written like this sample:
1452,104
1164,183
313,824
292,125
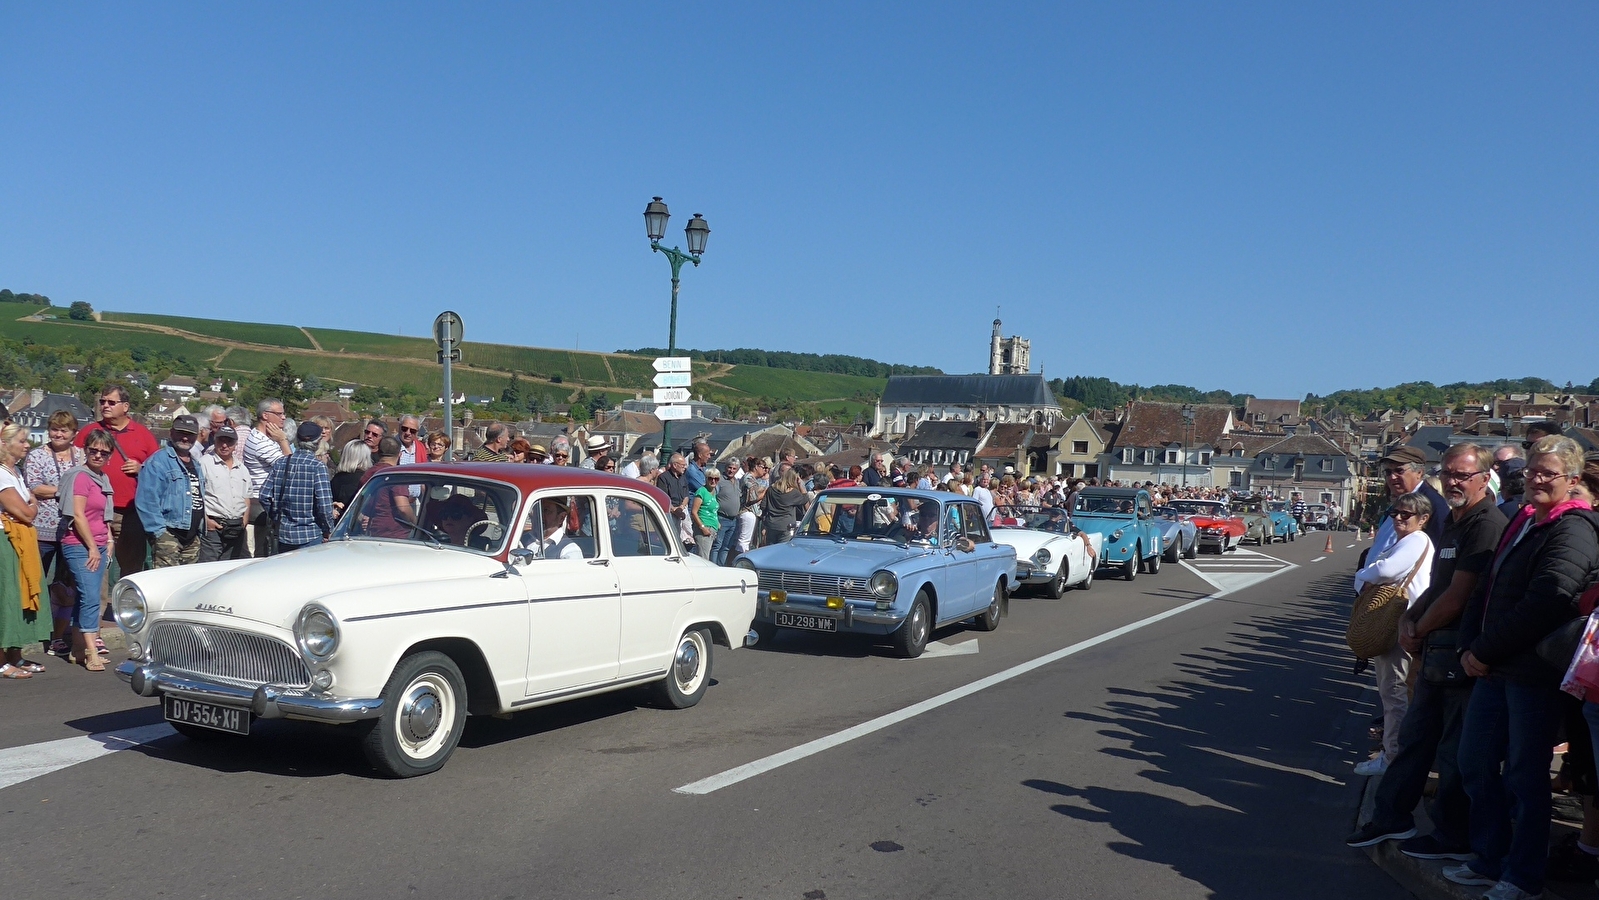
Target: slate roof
1282,411
945,436
1004,440
1251,443
38,414
1151,424
1307,444
1432,440
968,390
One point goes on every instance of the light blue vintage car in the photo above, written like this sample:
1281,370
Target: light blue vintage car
1125,516
883,561
1286,527
1178,532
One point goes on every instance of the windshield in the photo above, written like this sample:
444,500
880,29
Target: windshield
1196,508
431,508
1279,506
1101,503
1034,517
874,516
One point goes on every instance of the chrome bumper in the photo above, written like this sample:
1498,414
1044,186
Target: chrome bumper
265,702
1028,573
847,616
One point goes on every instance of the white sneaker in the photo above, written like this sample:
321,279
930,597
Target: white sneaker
1374,766
1504,890
1464,874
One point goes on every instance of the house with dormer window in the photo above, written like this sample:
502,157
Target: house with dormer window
1156,442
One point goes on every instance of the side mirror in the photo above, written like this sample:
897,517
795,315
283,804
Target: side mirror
521,556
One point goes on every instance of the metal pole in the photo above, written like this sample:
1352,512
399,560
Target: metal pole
449,416
671,350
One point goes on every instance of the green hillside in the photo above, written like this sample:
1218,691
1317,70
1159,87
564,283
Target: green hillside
395,361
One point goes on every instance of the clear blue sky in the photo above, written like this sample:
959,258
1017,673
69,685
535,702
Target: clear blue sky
1273,198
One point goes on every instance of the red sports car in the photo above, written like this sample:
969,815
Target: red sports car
1219,529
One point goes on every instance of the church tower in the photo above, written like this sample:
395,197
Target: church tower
1008,356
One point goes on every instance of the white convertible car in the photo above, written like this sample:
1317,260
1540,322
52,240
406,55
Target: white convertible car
446,589
1050,552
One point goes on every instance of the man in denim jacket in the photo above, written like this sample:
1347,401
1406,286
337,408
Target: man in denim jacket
171,497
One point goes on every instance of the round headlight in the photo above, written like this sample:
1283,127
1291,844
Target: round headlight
1116,535
317,632
1041,557
884,584
127,603
744,564
322,679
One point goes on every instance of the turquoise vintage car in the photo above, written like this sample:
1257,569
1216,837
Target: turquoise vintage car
1125,516
883,561
1285,526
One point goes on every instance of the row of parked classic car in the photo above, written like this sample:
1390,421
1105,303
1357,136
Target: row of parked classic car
483,588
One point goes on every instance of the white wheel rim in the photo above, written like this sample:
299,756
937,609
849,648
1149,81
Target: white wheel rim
688,667
918,624
425,716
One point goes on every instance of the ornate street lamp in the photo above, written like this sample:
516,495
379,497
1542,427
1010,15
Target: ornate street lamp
697,231
1188,430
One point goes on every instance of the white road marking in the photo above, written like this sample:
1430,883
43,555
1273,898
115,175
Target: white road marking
1350,547
19,764
1231,577
811,748
1266,764
936,649
1318,559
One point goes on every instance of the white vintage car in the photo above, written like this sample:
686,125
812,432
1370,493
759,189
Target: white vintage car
446,589
1051,554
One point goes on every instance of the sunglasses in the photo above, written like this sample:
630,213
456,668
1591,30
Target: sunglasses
376,434
1400,515
607,468
98,452
105,402
563,456
404,430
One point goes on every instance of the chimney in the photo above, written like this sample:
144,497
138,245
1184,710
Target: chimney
37,397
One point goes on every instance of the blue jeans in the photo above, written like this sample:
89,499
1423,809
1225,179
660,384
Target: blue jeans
1431,729
726,535
290,548
1513,723
86,613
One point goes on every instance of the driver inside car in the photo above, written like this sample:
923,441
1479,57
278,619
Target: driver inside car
554,543
454,519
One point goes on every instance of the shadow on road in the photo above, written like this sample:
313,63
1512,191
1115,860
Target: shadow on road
1249,757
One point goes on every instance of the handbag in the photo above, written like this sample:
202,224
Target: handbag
1374,620
1559,646
1440,659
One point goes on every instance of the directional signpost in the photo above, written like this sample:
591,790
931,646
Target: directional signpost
673,375
448,331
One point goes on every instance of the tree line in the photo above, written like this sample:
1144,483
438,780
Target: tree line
1101,393
835,363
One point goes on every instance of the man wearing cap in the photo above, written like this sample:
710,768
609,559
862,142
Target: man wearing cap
171,497
595,449
537,454
297,494
227,498
1510,473
1403,471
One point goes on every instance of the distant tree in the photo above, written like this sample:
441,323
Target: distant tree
598,402
312,385
512,395
279,382
80,311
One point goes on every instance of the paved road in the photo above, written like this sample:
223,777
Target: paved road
1205,754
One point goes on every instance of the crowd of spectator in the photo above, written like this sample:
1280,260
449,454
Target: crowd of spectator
1498,590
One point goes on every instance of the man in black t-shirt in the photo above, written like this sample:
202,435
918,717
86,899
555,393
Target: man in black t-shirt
1431,727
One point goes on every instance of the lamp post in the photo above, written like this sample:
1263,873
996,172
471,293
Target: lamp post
1188,430
655,216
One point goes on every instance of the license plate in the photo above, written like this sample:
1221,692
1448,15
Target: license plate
809,623
206,715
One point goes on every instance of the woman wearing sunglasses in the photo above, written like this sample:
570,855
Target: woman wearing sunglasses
1408,557
86,512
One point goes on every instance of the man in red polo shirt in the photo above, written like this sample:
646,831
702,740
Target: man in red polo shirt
134,445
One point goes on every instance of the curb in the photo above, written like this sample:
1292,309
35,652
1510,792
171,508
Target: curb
1422,877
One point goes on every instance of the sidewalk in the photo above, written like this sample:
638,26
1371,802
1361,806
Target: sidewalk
1425,879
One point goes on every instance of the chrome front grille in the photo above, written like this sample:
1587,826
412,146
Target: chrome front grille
818,585
235,657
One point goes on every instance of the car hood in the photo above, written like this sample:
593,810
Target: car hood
833,557
1104,524
347,576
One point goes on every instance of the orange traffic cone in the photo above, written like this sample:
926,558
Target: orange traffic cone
1329,543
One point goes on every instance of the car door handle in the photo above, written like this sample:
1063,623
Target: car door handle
599,562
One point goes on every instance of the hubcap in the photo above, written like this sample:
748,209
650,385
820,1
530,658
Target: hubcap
688,662
419,715
919,623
